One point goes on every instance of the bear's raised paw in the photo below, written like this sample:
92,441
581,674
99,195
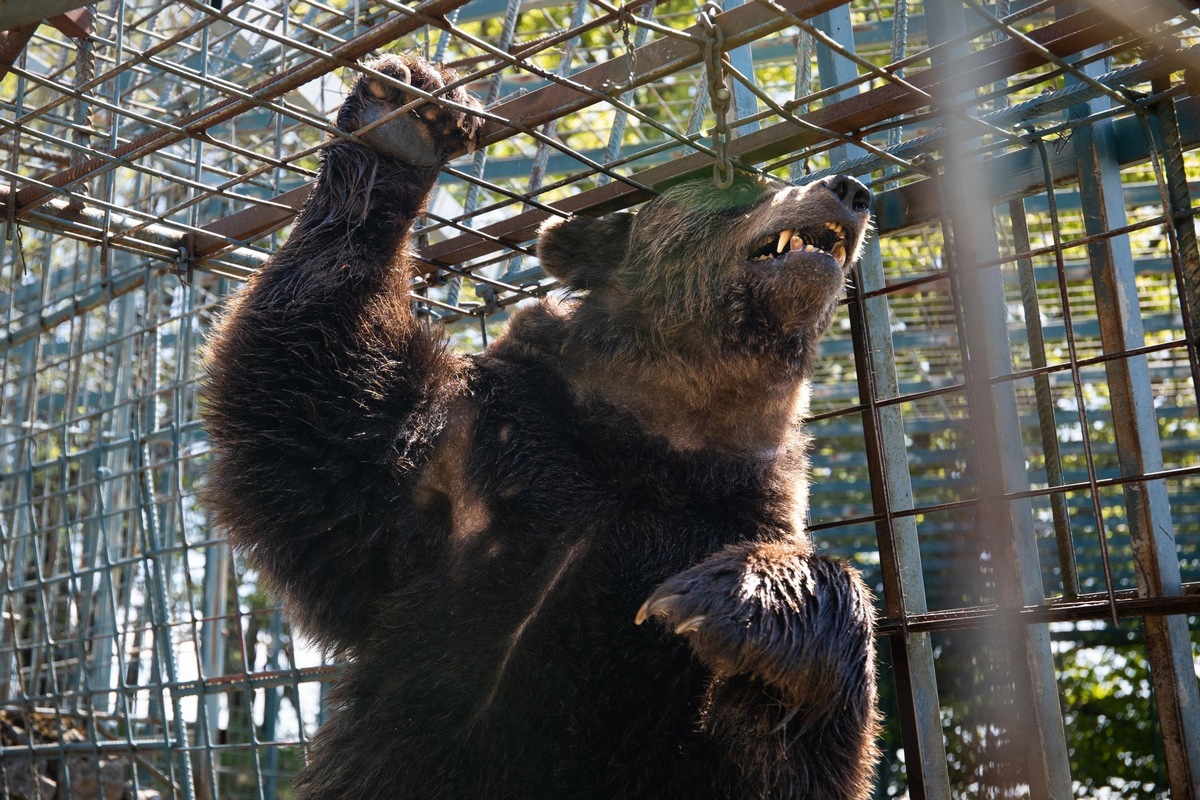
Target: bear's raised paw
425,136
798,622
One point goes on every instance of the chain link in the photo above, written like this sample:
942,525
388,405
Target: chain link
718,93
625,23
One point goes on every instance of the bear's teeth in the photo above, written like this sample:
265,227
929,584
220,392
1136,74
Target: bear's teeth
797,243
784,238
836,228
839,252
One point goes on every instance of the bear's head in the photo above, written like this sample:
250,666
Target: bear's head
699,272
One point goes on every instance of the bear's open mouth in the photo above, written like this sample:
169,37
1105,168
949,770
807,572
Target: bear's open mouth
830,240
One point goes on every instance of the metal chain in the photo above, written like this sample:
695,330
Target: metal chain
625,21
718,93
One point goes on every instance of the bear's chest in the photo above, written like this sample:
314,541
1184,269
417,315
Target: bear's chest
549,469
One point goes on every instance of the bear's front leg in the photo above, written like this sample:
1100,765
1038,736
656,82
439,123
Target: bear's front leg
324,394
788,637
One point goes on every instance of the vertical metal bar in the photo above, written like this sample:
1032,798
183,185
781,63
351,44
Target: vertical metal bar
1043,398
617,132
803,87
13,449
1185,250
156,548
835,69
1034,721
512,13
271,708
745,103
1156,563
899,550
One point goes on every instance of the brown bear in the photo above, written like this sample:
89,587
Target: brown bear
480,537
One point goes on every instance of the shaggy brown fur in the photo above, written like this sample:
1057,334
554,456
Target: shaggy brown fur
478,537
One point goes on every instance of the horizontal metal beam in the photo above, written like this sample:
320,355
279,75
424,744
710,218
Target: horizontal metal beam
197,122
1019,174
1073,34
742,25
1087,606
15,13
1016,174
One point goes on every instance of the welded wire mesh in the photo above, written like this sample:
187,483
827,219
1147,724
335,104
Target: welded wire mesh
1005,416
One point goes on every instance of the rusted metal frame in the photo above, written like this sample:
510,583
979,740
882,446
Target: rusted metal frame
954,388
204,190
522,227
318,32
1044,400
921,209
460,225
889,74
566,180
157,232
611,14
1086,607
268,216
896,68
1064,37
1021,114
474,312
1019,174
1074,367
262,227
589,91
955,40
899,549
1028,494
839,153
495,283
1156,563
602,82
14,13
12,44
625,12
225,110
227,88
501,117
255,222
117,69
1008,30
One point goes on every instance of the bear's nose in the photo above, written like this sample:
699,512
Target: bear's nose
852,194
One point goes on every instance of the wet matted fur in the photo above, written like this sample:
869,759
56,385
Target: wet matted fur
479,536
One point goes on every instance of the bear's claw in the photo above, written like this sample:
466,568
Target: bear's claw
667,606
655,606
691,625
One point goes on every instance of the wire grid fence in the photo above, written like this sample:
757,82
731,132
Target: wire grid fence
1007,434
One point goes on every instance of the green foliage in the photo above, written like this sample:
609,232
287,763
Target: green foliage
1109,716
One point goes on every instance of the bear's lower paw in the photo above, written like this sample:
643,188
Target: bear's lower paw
425,136
799,623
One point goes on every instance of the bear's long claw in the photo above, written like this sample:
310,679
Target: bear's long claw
691,625
653,607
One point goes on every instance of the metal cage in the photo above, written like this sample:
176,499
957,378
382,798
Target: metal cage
1006,423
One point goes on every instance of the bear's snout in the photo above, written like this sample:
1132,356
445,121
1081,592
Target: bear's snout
849,192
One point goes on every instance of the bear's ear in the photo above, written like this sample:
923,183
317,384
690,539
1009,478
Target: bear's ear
584,252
